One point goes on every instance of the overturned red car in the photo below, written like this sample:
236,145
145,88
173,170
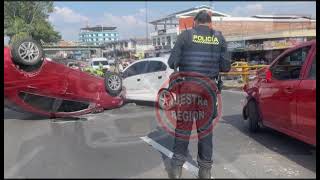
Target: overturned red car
39,85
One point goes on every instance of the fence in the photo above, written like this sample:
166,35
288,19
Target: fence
244,71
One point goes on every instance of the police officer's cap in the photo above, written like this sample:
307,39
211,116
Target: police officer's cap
203,17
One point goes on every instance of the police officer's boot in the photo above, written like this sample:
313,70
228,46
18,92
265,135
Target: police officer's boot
204,173
175,172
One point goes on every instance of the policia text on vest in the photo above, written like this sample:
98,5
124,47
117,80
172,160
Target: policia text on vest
205,39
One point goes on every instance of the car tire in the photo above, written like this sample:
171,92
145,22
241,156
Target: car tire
253,116
163,96
27,52
113,83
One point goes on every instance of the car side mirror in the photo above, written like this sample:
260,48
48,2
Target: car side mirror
268,75
265,75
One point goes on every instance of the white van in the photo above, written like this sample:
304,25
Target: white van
95,62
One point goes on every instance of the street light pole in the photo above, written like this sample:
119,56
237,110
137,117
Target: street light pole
146,7
116,69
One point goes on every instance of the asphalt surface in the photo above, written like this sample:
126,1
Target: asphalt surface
128,143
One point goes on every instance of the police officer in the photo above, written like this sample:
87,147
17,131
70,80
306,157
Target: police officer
201,50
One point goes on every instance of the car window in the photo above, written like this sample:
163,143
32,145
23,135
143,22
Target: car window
289,66
71,106
312,72
136,69
155,66
39,102
96,63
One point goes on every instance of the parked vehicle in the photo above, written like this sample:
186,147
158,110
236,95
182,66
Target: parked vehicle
111,61
73,65
34,84
237,66
144,78
283,96
96,62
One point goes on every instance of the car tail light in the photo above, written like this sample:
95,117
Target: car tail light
268,75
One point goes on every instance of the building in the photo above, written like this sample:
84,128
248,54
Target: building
98,35
127,48
65,49
67,43
167,28
119,48
143,48
249,38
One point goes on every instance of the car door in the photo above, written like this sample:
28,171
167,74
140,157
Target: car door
156,76
306,103
278,96
133,80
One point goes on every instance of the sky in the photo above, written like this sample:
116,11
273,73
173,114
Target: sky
130,17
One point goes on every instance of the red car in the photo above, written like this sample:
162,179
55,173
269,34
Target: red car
39,85
283,95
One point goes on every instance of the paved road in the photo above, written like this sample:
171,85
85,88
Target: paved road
127,143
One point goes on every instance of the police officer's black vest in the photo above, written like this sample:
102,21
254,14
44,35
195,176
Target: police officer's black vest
202,53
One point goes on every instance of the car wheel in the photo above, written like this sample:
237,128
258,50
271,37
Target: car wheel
165,99
113,83
253,116
27,52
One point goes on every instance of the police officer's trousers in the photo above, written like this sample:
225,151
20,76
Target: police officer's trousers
180,147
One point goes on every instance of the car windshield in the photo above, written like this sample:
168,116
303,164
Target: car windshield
96,63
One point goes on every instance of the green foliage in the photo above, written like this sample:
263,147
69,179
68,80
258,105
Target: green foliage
19,36
96,72
29,18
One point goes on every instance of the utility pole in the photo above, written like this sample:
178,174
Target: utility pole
146,7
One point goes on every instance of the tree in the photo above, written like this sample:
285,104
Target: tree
29,18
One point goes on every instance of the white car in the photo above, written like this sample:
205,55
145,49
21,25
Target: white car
95,62
111,61
144,78
73,65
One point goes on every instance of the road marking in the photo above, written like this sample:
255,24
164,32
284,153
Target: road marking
188,166
233,91
20,164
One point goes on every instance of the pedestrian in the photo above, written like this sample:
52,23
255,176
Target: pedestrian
201,50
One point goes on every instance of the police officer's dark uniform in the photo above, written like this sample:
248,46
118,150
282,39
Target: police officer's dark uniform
201,50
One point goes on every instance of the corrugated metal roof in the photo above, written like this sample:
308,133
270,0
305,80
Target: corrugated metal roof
99,28
190,12
282,16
